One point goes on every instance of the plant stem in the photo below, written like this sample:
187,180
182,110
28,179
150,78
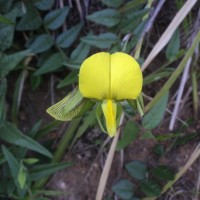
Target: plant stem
107,166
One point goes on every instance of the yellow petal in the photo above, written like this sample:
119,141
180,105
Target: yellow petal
94,76
126,77
110,111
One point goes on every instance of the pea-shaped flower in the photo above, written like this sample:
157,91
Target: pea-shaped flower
108,78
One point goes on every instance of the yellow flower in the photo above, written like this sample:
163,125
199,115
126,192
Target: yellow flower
110,78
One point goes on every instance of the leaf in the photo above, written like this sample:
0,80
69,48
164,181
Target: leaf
123,189
67,38
22,176
71,106
80,52
159,149
12,162
108,17
56,18
30,161
150,188
136,169
3,89
112,3
147,135
163,172
12,135
44,4
41,171
173,46
155,115
5,5
9,62
72,77
52,63
104,40
41,43
31,20
131,131
7,29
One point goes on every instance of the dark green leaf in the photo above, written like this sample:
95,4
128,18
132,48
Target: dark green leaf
9,62
41,171
56,18
44,4
150,188
163,173
7,29
107,17
159,149
5,5
131,131
52,63
104,40
66,38
155,115
12,135
31,19
137,169
173,46
12,162
69,79
147,135
3,89
41,43
123,189
112,3
80,52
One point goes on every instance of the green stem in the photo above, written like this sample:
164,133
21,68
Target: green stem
175,74
62,146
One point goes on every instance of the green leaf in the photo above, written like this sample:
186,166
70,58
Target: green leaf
12,162
7,29
80,52
56,18
41,171
5,5
9,62
73,105
107,17
31,20
163,172
102,41
150,188
131,131
173,46
72,77
52,63
123,189
112,3
30,161
155,115
12,135
147,135
136,169
67,38
3,89
44,4
159,149
22,176
41,43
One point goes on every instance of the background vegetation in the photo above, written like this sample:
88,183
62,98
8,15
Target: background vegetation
43,43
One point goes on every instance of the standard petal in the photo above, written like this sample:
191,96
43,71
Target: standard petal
94,76
109,108
126,77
